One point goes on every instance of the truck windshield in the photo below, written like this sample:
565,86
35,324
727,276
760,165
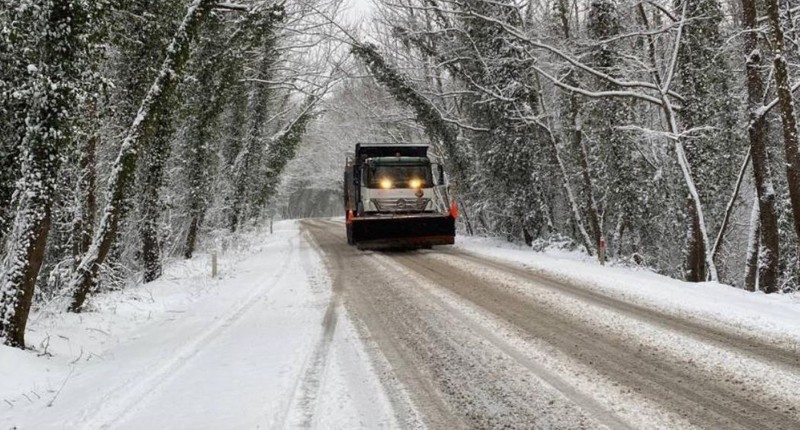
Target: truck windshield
399,176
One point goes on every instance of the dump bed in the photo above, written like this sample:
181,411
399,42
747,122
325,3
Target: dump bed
371,150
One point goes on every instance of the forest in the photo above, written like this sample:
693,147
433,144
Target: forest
660,134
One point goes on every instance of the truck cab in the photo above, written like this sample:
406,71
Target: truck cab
396,185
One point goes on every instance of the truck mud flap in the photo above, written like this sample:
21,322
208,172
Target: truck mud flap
403,233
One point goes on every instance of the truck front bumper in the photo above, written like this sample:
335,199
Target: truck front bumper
405,231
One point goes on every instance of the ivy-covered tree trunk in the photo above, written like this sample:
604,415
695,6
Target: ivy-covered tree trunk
787,109
243,168
58,28
283,148
198,163
197,172
9,156
207,100
696,230
759,139
155,153
148,50
124,168
86,204
709,120
220,64
613,152
574,126
250,155
13,106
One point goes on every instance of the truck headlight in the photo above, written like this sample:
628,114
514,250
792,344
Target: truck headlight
415,183
386,184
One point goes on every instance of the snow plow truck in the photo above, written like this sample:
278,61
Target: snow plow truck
396,198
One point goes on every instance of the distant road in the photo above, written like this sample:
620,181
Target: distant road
480,343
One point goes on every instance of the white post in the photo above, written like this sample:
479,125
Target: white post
214,263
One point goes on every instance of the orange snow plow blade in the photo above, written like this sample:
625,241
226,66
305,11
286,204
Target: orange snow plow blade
403,231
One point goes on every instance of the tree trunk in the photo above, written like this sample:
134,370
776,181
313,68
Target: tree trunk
696,215
619,230
191,236
86,196
574,113
47,132
26,243
151,175
697,228
243,167
753,247
759,134
695,266
576,214
252,149
786,104
119,183
591,203
729,209
588,244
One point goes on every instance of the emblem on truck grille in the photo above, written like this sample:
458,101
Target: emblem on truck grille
390,205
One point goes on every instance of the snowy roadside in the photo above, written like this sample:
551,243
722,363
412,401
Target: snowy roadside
189,351
775,316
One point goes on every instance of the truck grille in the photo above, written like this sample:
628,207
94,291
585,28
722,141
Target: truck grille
400,205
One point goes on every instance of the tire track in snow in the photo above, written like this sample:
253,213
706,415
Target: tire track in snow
413,397
707,404
746,345
116,404
701,403
587,403
302,407
457,378
299,409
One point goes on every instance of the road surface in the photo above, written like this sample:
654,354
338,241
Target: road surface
463,341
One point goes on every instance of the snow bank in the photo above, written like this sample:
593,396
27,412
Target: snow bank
775,316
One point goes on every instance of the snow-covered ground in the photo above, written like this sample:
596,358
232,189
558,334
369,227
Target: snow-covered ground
269,344
775,316
262,346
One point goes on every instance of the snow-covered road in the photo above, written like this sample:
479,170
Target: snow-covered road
263,348
482,343
303,331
